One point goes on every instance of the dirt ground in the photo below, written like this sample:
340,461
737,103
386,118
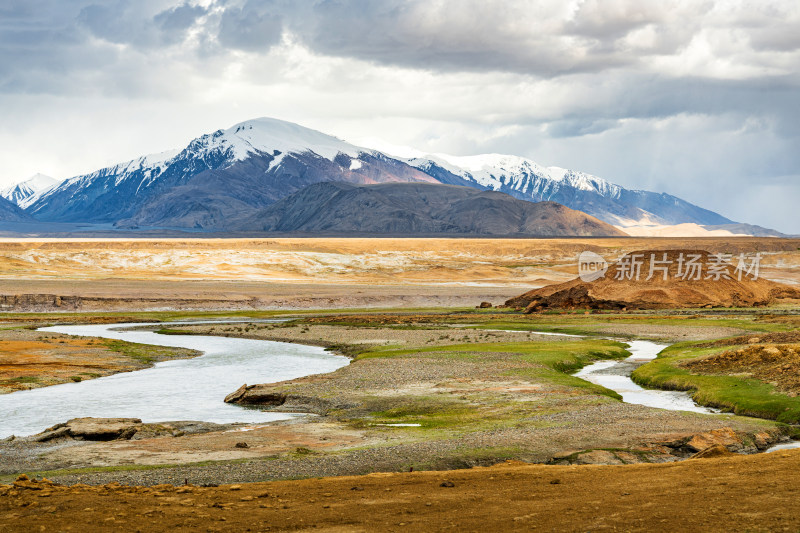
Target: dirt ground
778,364
30,359
106,274
739,493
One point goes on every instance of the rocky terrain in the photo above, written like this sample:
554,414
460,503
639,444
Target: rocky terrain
661,279
10,212
409,209
778,364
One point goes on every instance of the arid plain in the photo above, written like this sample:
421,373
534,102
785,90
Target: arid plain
433,384
114,274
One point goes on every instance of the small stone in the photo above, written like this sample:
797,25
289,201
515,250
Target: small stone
555,481
242,445
447,484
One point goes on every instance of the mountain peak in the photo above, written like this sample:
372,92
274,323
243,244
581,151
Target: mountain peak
270,134
21,192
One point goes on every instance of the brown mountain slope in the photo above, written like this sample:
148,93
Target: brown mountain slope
694,278
418,209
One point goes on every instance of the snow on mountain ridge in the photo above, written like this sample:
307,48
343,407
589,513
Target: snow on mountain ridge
495,171
21,193
268,134
262,135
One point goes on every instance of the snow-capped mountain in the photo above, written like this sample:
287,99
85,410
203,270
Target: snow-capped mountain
22,192
525,179
218,175
228,173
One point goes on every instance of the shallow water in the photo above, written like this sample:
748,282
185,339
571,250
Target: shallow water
186,389
784,446
615,375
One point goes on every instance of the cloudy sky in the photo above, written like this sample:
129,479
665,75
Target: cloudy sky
698,98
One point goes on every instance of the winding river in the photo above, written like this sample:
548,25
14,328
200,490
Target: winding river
616,375
193,389
185,389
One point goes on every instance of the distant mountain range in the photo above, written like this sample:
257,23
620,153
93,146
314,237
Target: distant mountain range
231,178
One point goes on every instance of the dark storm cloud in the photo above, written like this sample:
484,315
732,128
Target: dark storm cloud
256,26
124,22
179,18
465,35
543,39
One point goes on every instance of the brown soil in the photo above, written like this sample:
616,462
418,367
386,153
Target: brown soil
779,337
118,274
30,359
742,493
625,288
775,364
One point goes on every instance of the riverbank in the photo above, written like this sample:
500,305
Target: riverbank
423,394
31,359
753,375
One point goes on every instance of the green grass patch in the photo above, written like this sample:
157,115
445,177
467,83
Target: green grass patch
23,379
147,353
740,395
576,323
549,361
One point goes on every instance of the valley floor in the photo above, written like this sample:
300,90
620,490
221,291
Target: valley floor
481,387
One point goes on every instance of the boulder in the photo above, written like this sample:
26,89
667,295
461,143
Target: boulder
598,457
103,428
236,395
52,434
762,440
723,437
256,395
